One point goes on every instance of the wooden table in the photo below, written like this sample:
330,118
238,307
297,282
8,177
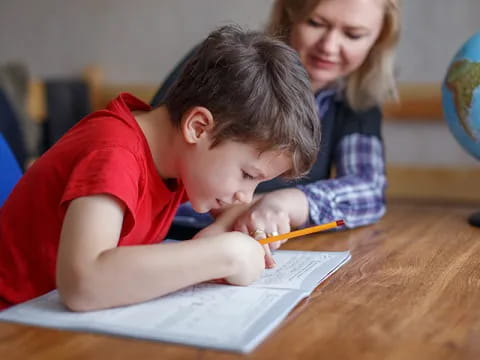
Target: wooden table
411,291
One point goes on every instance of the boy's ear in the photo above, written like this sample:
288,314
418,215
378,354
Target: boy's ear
197,122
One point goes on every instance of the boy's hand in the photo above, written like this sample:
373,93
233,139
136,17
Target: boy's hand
248,258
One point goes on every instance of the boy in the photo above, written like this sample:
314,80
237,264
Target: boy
87,216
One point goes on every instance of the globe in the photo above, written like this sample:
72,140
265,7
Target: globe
461,100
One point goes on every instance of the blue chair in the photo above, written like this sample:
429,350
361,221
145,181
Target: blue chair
10,172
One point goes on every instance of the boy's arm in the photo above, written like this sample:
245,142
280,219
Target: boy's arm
93,273
224,220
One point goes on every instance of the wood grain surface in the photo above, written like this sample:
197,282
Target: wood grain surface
411,291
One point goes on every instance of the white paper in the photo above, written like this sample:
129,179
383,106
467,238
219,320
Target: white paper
207,315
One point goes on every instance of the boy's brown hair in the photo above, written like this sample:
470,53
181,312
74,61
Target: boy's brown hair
257,91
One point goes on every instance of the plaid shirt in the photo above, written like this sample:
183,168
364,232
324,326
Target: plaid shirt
356,195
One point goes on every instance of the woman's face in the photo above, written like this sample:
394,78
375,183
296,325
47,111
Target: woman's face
336,38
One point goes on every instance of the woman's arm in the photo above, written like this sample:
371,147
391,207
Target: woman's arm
357,194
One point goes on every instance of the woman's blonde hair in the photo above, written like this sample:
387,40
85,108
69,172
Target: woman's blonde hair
373,82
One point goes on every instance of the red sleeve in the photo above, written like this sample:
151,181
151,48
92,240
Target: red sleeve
111,171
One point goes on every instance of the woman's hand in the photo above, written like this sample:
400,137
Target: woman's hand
272,214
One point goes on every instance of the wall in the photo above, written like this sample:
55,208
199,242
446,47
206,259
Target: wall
138,41
133,41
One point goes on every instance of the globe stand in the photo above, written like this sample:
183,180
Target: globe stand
474,219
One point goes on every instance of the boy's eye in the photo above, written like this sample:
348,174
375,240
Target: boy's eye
247,176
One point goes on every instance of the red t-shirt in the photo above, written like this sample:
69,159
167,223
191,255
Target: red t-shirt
105,153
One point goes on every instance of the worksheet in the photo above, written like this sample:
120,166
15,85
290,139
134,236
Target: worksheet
207,315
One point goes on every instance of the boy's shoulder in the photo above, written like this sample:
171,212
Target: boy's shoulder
115,125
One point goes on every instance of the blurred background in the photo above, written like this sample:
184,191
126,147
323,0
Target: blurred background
121,45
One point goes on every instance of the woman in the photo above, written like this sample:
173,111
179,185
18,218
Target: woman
347,49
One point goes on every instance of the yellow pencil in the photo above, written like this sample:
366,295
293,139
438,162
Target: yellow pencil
306,231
